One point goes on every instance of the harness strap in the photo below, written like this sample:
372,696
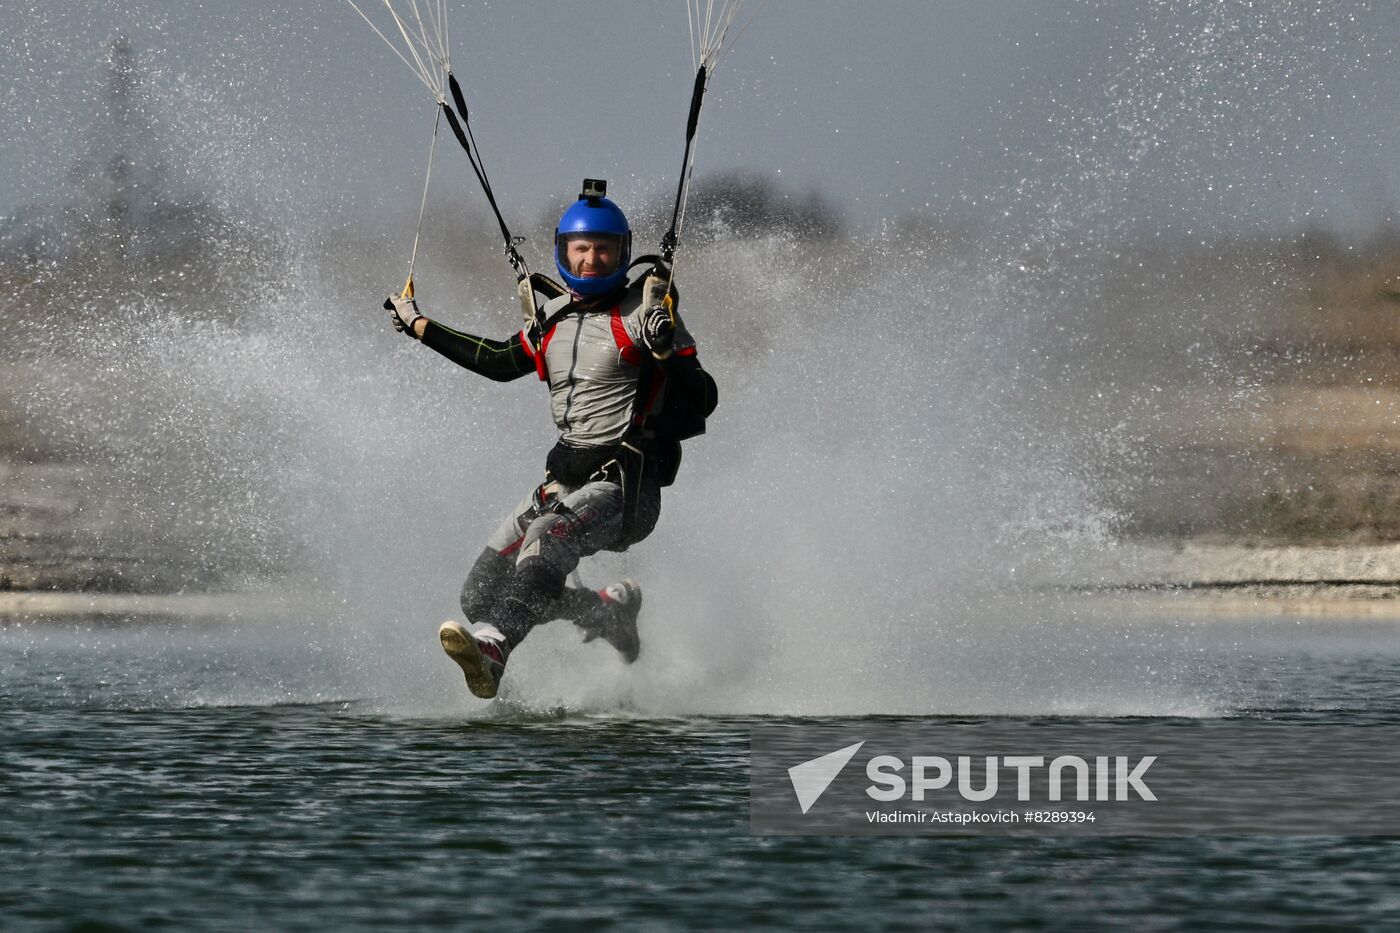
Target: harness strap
630,352
631,451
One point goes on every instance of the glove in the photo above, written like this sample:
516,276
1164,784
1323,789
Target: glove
659,332
402,313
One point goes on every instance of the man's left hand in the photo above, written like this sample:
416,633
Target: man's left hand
659,332
404,314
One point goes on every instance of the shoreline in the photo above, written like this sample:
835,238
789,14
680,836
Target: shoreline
1294,601
1137,578
21,606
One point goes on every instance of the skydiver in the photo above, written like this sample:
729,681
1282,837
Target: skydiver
625,388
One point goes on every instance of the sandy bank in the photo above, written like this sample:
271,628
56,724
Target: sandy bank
1372,570
251,606
1181,578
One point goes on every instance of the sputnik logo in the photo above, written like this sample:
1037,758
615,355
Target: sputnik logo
811,778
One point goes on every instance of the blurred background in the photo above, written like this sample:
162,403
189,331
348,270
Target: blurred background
985,286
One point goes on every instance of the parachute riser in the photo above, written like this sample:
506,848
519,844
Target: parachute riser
425,50
464,139
530,308
697,96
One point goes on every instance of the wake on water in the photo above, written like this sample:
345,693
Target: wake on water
840,542
851,537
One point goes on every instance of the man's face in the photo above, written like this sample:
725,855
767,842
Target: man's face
591,257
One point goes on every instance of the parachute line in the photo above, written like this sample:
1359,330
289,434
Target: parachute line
685,201
424,50
710,24
423,43
690,21
423,204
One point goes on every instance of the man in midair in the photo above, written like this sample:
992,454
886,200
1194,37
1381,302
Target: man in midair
625,388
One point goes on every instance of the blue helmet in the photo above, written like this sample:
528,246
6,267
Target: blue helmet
595,215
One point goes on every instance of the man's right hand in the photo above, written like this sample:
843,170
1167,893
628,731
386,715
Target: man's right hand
659,332
403,314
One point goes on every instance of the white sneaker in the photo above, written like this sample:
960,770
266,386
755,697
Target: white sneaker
481,655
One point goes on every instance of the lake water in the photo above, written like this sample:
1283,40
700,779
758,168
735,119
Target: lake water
194,777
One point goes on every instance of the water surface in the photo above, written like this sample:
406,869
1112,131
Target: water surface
183,777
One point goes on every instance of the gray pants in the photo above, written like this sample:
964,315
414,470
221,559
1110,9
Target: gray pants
518,580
